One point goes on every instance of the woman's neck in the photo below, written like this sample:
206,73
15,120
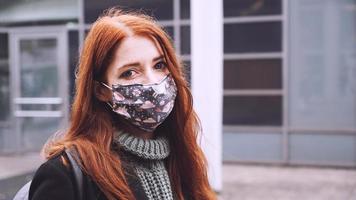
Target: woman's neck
127,127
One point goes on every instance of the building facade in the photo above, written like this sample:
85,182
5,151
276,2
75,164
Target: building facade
288,71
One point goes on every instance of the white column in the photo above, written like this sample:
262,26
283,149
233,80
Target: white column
207,79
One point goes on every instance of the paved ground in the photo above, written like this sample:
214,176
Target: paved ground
240,182
15,171
255,182
14,165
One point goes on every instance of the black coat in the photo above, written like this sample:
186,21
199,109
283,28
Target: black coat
53,180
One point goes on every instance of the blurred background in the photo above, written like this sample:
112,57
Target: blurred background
288,98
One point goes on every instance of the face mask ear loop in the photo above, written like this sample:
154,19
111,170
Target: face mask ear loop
106,85
111,106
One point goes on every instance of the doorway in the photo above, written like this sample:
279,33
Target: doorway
39,85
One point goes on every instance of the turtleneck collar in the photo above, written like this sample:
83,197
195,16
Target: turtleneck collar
153,149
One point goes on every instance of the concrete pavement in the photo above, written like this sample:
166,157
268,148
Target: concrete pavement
258,182
15,171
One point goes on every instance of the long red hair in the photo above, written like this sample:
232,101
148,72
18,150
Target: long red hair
92,121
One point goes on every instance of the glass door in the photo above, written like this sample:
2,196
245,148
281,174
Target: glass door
39,85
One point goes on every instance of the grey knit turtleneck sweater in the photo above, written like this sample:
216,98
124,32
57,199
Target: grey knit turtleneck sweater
146,157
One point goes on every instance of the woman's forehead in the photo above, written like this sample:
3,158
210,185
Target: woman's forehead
136,49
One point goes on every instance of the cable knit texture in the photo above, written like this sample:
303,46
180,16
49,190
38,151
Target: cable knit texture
146,158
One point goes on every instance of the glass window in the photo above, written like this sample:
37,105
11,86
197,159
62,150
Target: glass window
160,9
185,40
323,65
4,78
185,9
36,131
169,30
38,65
4,50
34,12
187,71
252,110
252,7
319,148
252,146
253,37
73,43
253,74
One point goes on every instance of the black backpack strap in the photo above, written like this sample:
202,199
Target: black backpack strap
77,171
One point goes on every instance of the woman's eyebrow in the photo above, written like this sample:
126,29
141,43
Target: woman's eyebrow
129,65
158,58
137,63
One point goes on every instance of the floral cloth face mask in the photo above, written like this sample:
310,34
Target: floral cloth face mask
144,106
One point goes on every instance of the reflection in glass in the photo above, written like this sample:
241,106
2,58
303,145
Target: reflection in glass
252,110
252,7
319,148
169,31
185,40
253,74
38,68
4,78
323,64
36,131
185,9
252,146
38,60
187,71
160,9
253,37
73,43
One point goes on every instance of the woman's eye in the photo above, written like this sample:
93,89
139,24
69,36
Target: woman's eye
160,65
127,74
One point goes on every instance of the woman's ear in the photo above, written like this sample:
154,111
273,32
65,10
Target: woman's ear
101,92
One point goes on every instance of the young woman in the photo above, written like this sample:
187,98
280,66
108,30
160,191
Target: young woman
133,126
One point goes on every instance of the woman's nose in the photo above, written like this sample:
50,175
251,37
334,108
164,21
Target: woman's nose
151,77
